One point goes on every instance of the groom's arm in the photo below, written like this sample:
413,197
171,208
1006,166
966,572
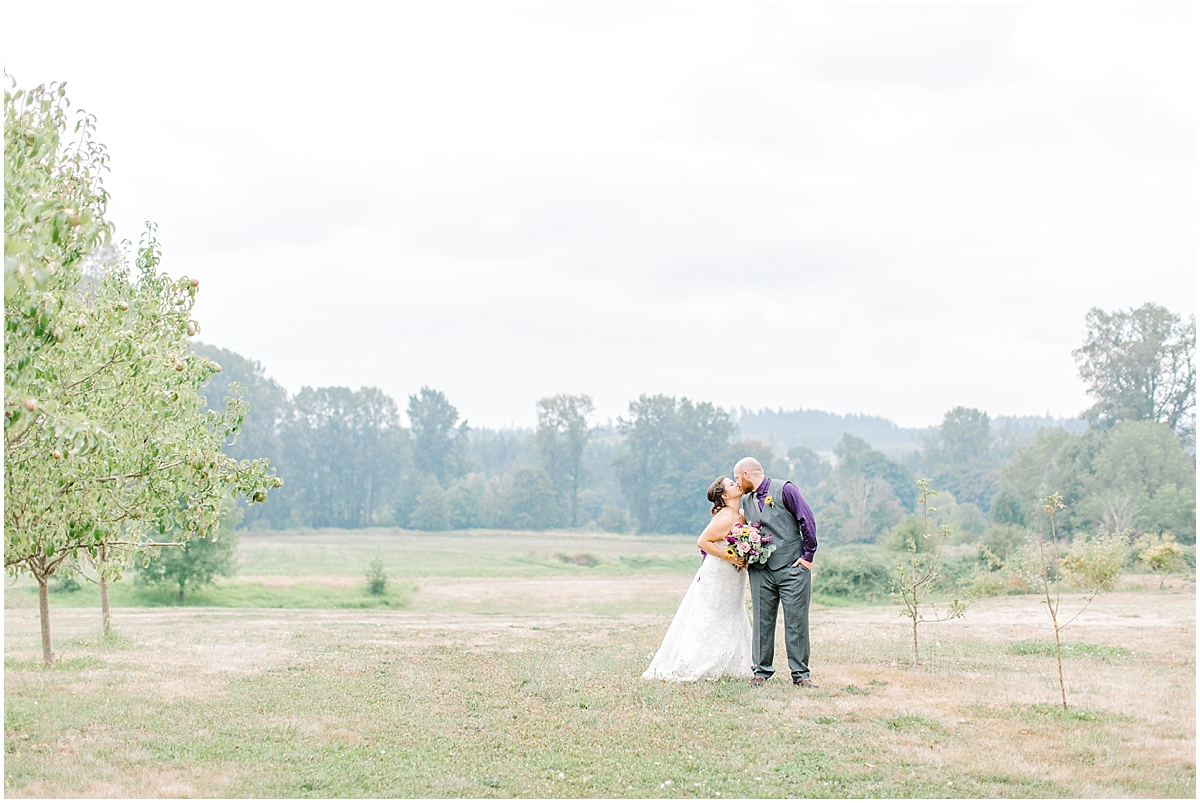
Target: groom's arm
794,503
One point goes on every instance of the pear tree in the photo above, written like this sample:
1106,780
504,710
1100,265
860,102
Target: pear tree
107,446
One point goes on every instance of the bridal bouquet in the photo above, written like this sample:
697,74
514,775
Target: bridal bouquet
749,543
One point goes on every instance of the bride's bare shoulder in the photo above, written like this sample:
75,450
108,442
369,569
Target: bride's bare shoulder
727,516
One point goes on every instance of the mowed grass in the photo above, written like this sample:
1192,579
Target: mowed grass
326,568
528,684
468,553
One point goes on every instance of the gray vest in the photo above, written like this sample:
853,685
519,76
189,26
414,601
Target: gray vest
776,520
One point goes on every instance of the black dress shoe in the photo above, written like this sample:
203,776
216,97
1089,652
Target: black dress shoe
757,681
805,682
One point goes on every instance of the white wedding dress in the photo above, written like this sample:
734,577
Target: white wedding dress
710,634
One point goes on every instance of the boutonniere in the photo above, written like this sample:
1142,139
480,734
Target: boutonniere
770,501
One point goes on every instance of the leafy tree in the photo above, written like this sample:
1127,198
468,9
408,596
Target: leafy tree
1173,509
1136,460
808,468
432,510
439,441
346,452
197,561
862,497
966,520
268,410
674,449
752,448
959,457
1057,459
106,441
604,485
470,502
1132,477
527,501
867,504
855,456
1139,366
561,438
1007,508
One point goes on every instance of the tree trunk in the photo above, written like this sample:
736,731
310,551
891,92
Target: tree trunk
370,500
1062,686
105,611
916,657
575,498
44,612
180,598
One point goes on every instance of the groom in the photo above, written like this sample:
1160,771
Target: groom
776,507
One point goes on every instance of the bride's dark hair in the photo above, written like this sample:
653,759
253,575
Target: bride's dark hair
716,494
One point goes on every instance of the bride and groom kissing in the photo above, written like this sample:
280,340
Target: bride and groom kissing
710,635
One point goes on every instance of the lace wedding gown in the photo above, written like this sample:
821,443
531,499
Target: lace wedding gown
710,634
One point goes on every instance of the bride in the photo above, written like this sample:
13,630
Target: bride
710,634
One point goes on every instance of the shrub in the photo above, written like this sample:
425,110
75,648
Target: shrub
613,519
64,584
376,576
1094,563
1160,554
580,559
1019,572
857,572
198,561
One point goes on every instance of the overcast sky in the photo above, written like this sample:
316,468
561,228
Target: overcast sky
886,210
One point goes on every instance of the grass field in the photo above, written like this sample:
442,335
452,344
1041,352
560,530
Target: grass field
325,569
517,674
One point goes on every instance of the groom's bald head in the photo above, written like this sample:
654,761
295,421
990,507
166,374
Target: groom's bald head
748,473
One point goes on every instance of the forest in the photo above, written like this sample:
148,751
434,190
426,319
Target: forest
356,458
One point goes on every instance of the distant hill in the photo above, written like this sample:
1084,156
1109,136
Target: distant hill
820,431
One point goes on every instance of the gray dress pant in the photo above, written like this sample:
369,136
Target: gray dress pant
791,586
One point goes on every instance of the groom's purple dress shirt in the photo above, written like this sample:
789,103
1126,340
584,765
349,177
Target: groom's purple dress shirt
794,503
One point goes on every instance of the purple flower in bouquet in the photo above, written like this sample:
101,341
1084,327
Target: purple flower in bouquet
749,543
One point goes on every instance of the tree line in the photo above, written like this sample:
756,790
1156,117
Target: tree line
350,460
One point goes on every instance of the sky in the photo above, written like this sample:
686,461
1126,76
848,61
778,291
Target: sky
885,210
